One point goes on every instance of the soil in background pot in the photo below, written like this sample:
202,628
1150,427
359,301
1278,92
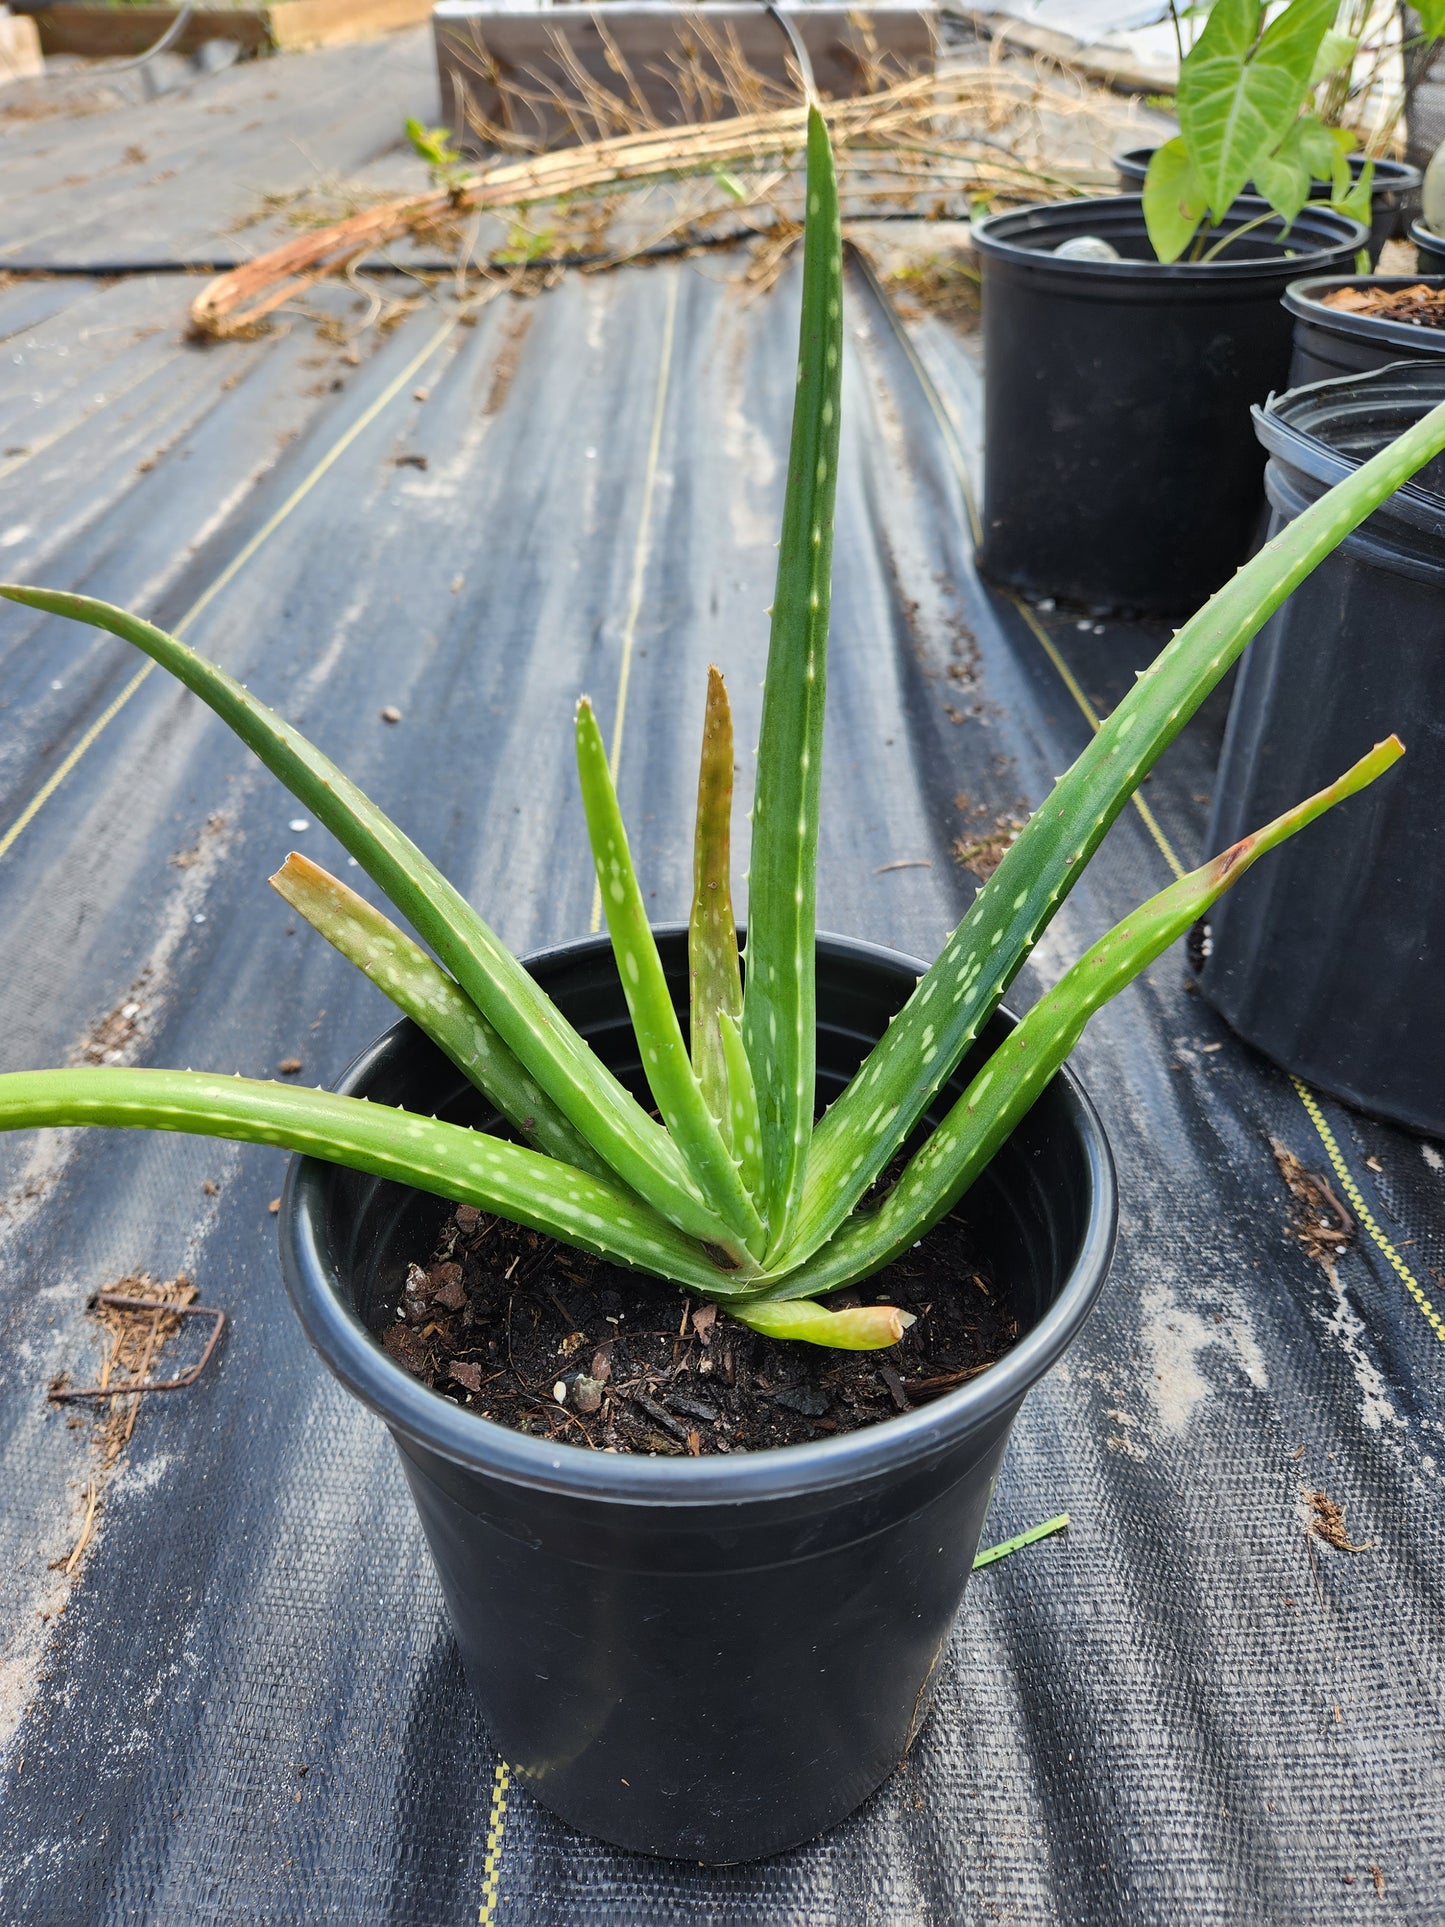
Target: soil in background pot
556,1343
1422,306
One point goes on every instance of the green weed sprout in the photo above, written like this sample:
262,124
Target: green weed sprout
737,1192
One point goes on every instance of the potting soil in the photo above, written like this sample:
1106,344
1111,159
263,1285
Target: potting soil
233,1696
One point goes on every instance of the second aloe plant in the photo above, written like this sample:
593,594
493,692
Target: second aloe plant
738,1192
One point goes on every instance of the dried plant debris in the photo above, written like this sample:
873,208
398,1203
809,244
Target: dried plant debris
944,285
113,1038
987,837
551,1342
1327,1522
132,1342
1422,306
1317,1218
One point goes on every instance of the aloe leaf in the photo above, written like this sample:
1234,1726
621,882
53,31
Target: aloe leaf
470,1167
632,1144
863,1130
868,1328
1237,98
659,1035
779,995
435,1003
1004,1090
747,1126
1174,202
712,936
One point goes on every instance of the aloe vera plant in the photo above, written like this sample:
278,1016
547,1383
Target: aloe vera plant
736,1193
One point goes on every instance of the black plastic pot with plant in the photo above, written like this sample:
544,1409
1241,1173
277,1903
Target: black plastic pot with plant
1331,961
1394,189
1121,472
1331,342
711,1658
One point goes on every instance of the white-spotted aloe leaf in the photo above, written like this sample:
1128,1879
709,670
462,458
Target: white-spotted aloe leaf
779,993
1015,1075
867,1125
747,1127
470,1167
665,1061
632,1144
435,1003
1239,89
714,978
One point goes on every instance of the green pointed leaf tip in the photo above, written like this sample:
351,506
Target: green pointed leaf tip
779,992
469,1167
715,979
1009,1083
665,1061
423,991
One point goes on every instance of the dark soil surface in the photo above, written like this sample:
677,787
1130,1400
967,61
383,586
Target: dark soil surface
1421,305
550,1341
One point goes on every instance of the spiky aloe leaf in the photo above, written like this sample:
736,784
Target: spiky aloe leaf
468,1166
747,1128
779,995
938,1175
435,1003
866,1328
613,1122
659,1035
867,1125
715,979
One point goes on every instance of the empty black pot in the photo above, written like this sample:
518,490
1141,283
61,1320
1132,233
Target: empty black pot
718,1657
1429,249
1329,956
1393,189
1120,469
1331,342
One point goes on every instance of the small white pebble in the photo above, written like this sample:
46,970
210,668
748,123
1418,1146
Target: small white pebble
298,823
57,685
199,917
559,1391
591,454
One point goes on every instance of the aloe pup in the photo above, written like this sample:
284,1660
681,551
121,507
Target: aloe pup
736,1193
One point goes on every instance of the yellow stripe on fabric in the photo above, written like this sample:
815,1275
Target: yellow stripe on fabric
228,575
640,553
1071,683
1363,1212
496,1833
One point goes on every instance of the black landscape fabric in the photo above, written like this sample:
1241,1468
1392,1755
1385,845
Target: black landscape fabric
243,1704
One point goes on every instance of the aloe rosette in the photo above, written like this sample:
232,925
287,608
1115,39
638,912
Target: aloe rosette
737,1192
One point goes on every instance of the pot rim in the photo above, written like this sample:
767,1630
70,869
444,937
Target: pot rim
413,1410
993,235
1390,175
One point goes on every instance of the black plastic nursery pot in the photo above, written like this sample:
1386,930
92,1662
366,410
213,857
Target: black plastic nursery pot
1331,342
1429,248
1120,469
1394,186
710,1658
1329,957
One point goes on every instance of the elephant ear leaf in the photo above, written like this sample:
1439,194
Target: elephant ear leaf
1174,201
1240,90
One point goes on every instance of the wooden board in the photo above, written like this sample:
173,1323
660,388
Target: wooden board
19,48
477,44
110,32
